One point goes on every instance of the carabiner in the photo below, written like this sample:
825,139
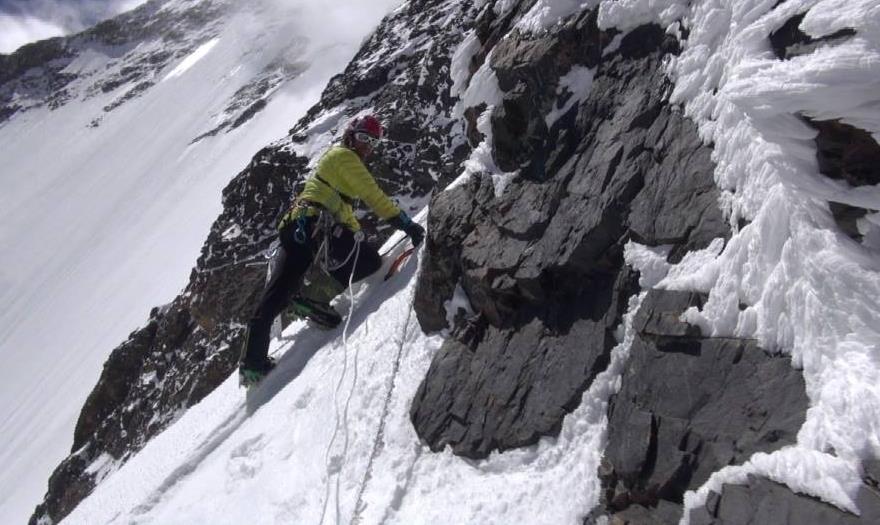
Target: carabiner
300,234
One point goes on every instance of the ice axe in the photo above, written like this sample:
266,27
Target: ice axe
398,262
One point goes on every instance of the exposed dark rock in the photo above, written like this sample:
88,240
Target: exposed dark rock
689,406
253,97
450,221
763,501
665,513
847,218
872,472
228,278
850,154
846,152
789,41
68,485
542,263
511,386
526,67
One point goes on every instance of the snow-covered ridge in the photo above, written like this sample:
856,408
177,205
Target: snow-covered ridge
123,55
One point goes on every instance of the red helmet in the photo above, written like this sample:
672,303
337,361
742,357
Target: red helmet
367,124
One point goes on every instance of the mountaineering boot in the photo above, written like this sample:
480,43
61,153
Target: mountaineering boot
317,312
249,374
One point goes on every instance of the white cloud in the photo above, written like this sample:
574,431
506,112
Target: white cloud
24,21
17,31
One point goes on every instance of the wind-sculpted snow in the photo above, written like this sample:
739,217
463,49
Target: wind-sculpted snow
789,278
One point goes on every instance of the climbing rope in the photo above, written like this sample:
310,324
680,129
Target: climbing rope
386,409
356,250
359,503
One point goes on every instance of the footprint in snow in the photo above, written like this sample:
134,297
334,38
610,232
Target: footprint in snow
245,460
304,400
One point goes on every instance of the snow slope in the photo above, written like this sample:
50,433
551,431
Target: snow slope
99,224
331,442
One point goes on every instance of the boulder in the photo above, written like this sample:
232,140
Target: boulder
690,405
763,501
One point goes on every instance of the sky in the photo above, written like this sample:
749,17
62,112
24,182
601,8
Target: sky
25,21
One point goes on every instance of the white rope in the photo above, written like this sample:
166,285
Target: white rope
356,250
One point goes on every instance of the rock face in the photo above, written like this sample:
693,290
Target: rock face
190,346
763,501
846,152
689,406
851,155
593,156
542,262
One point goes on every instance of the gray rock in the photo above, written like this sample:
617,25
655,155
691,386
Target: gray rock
872,472
850,154
542,263
846,152
763,501
508,387
789,41
450,221
689,406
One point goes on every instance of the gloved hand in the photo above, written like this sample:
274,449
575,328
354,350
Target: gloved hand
412,229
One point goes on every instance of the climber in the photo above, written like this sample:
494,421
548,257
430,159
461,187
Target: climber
321,223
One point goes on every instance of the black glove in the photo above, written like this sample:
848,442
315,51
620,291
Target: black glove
412,229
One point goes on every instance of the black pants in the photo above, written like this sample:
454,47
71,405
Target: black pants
288,267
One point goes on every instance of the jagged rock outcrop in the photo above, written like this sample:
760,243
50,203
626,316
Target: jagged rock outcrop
189,347
688,406
541,259
542,262
763,501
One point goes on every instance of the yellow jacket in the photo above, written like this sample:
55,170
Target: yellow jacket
340,178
